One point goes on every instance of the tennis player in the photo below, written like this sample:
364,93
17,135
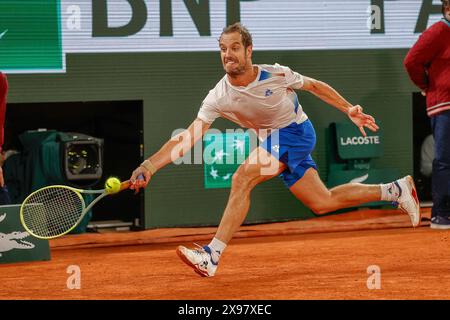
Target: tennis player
262,97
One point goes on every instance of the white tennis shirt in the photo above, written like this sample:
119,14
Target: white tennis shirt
269,102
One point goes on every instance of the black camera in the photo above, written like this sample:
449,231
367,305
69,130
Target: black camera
82,157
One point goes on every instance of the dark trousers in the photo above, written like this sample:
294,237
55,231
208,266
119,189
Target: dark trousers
440,125
4,196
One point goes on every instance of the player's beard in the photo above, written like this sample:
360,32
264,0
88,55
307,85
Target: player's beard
236,71
240,69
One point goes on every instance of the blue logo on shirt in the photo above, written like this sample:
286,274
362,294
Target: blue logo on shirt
268,92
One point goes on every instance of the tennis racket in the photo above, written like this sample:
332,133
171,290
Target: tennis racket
54,211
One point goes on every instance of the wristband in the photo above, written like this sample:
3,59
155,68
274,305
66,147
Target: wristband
147,164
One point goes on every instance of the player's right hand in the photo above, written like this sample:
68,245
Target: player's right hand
139,178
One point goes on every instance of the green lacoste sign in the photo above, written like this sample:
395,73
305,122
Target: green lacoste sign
352,145
16,244
30,36
222,155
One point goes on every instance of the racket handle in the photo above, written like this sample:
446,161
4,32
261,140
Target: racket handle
126,184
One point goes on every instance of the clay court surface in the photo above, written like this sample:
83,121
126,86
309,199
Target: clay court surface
322,258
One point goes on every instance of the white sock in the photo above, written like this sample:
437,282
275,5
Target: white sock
389,192
217,247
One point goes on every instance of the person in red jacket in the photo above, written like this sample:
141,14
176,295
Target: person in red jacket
428,66
4,197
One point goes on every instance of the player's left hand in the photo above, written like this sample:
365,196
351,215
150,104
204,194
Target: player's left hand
362,120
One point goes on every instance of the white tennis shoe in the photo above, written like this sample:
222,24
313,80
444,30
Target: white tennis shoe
198,259
408,201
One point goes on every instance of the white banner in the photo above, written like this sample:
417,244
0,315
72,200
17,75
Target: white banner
169,25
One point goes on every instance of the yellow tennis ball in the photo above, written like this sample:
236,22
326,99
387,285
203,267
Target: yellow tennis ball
112,185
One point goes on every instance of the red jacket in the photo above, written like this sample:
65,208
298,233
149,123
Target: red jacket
428,66
3,94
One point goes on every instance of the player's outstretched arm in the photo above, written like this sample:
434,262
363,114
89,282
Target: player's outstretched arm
326,93
173,149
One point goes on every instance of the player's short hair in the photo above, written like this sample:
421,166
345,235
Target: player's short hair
238,27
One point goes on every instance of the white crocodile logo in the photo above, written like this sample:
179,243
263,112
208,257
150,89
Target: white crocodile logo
3,33
13,240
360,179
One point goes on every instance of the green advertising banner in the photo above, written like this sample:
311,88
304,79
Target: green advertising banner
222,155
30,36
16,244
351,144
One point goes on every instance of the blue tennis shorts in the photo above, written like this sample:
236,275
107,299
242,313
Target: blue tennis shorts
292,145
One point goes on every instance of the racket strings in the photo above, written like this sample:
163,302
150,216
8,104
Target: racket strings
53,211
